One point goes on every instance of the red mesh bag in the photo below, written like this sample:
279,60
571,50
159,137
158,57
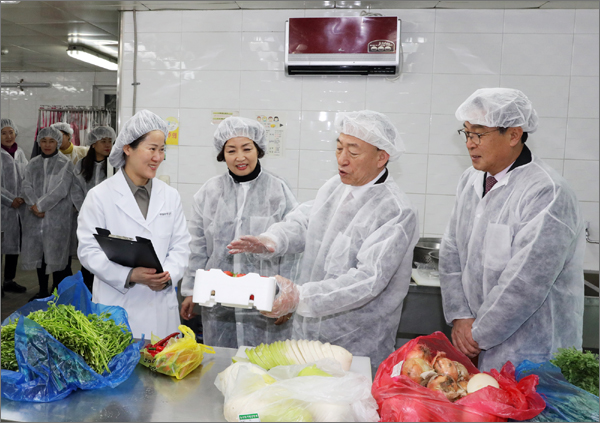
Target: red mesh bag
401,399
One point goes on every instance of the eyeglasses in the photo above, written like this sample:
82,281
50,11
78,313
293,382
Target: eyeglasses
471,135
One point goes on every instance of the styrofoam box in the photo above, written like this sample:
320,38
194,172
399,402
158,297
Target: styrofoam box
252,290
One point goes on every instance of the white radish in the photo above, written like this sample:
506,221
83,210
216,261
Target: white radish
297,351
289,352
316,350
343,356
326,349
305,348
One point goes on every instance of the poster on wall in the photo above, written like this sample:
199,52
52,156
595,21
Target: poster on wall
274,123
219,116
173,125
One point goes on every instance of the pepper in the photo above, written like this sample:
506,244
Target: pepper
154,349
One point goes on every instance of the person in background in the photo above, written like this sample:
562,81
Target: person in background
13,171
358,237
511,259
133,203
90,171
47,225
245,200
73,152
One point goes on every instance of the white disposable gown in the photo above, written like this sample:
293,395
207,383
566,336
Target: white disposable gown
356,266
13,172
48,183
81,186
111,205
224,210
513,260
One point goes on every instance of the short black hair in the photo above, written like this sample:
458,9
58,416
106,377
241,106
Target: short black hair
221,155
523,137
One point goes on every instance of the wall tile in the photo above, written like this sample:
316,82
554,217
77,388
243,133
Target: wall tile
557,21
478,54
464,20
414,131
163,21
549,94
156,51
291,120
211,21
196,128
187,192
268,20
170,165
286,167
556,164
537,54
198,164
316,168
449,91
270,90
438,209
410,93
211,90
413,20
582,139
548,142
327,13
583,97
343,93
586,21
443,173
156,89
318,131
417,50
263,51
590,214
305,195
582,175
105,78
585,55
410,172
444,138
211,51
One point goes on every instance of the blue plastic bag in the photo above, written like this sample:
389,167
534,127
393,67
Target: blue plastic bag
565,402
49,371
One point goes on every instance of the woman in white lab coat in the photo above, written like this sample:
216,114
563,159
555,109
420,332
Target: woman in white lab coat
153,212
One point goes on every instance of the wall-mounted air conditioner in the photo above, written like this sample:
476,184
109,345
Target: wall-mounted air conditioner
361,45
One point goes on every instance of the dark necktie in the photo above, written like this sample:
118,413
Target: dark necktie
490,181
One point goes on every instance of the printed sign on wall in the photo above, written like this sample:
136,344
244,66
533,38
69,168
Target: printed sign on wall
274,123
173,125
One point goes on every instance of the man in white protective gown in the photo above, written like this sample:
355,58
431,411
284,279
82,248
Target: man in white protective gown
511,259
357,239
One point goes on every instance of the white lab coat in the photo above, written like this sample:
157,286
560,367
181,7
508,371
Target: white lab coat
111,205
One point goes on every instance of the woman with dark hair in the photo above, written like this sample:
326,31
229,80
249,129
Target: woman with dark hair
244,201
13,211
131,203
90,171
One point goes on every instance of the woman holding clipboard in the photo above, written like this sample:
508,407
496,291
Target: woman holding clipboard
134,203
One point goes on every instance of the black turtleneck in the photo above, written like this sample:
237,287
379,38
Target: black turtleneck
249,177
47,156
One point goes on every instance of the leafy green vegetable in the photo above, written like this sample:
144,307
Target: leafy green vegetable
579,368
96,338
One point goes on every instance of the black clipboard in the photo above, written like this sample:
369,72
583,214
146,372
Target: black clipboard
128,252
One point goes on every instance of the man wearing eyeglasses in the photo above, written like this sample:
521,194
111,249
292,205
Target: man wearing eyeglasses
511,260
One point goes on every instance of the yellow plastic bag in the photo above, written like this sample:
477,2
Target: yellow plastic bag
179,357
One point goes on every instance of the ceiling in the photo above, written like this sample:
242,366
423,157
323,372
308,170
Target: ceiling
36,34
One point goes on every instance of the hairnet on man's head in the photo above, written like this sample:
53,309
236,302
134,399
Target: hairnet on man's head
138,125
63,127
372,127
9,123
499,107
50,132
235,126
98,133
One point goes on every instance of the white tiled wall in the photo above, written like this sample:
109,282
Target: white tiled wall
67,89
193,62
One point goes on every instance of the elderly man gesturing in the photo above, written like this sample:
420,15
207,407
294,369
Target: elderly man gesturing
357,237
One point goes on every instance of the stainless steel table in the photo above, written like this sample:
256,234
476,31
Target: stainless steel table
145,396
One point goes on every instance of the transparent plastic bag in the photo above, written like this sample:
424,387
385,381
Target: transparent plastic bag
401,399
179,357
281,395
565,402
49,371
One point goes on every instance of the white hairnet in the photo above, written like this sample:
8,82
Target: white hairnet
372,127
50,132
239,127
499,107
138,125
63,127
9,122
98,133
